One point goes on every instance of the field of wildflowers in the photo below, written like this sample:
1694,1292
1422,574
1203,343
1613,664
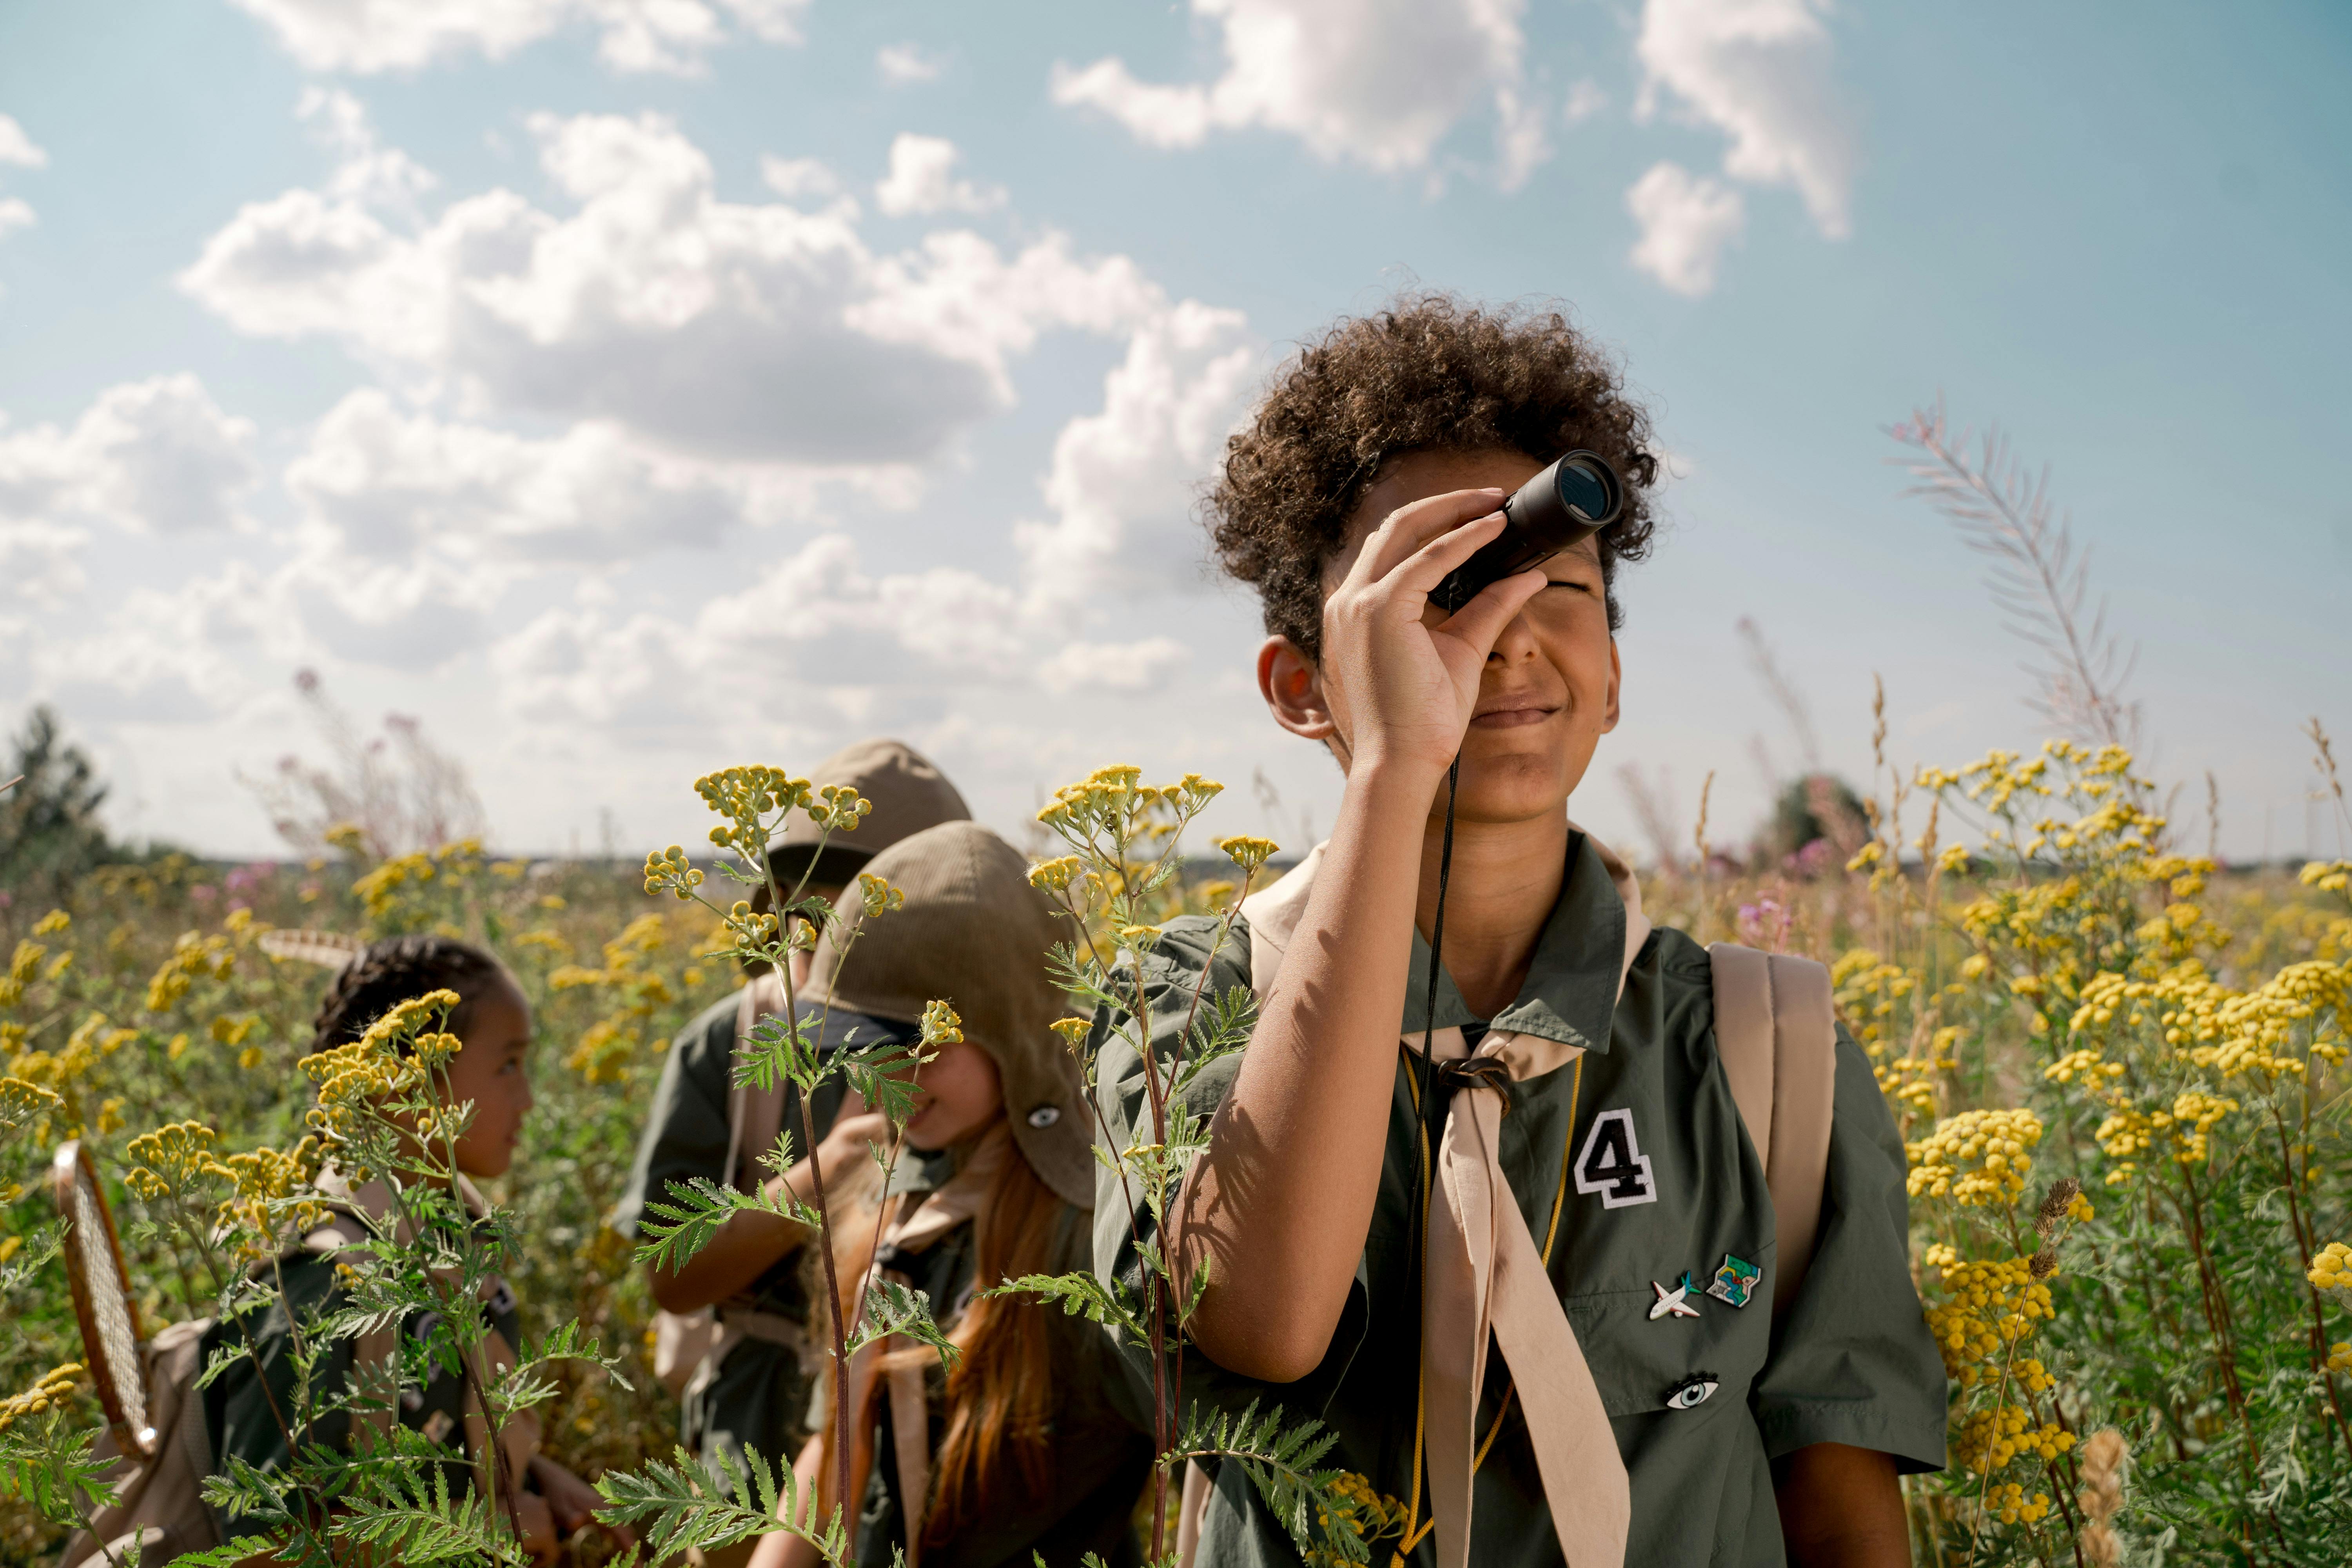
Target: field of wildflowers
2120,1070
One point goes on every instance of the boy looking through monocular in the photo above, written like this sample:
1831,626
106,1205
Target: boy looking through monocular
1532,1278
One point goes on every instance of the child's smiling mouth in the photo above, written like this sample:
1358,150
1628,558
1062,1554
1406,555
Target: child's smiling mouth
1511,712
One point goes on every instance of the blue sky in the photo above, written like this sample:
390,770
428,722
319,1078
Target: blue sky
625,389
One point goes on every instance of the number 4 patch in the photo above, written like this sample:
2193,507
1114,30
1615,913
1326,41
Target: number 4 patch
1612,1165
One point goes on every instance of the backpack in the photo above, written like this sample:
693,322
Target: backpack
685,1341
159,1504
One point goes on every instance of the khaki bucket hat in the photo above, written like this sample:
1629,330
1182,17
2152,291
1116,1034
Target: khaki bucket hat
974,933
909,794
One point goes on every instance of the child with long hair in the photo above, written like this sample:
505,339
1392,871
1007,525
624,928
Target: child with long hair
732,1338
1015,1451
491,1072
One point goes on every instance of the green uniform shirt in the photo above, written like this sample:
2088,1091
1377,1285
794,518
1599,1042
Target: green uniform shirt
1639,1147
243,1405
1097,1461
759,1396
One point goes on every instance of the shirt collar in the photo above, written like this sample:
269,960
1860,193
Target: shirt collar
1570,993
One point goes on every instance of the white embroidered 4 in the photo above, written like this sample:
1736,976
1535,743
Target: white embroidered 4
1612,1165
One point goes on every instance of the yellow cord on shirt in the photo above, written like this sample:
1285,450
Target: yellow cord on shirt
1413,1536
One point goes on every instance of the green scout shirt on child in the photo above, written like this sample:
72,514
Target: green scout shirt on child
1637,1179
758,1396
243,1405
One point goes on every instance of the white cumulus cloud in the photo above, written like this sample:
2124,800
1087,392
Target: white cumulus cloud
903,65
1685,223
1122,480
157,456
372,35
1760,72
752,333
17,148
15,214
1129,667
923,180
1379,82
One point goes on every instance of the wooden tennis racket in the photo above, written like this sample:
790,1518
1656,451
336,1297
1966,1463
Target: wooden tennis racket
101,1298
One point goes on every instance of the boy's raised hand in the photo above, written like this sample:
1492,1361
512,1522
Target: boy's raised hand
1401,677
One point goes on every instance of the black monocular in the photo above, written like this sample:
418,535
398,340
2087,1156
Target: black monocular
1576,497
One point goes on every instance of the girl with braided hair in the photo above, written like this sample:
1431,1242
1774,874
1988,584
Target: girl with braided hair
490,1071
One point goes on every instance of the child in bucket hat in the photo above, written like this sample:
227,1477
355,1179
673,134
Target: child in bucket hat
731,1337
1016,1450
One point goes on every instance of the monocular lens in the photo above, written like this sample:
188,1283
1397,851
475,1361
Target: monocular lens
1587,491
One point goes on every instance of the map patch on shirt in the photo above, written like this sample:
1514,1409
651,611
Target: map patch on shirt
1612,1165
1735,1280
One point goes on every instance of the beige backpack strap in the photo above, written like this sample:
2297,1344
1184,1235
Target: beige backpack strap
754,1115
1776,1035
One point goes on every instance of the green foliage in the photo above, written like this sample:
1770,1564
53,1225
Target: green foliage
895,1308
690,1506
50,833
1280,1462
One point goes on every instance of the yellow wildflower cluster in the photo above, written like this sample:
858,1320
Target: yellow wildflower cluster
2259,1026
168,1161
668,869
351,1077
23,1101
2129,1132
1372,1514
1991,1438
1989,1307
2086,1065
1055,876
192,956
1114,798
2331,1270
939,1026
607,1047
1074,1031
748,794
877,896
2010,1504
1247,852
1868,989
263,1178
65,1073
380,888
2327,876
54,1389
1993,1142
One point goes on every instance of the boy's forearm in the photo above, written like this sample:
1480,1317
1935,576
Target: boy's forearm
1281,1201
746,1247
1842,1506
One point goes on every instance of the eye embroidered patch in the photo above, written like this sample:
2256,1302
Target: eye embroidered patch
1612,1165
1691,1391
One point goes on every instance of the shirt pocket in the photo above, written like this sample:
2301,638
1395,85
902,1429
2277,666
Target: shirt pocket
1642,1364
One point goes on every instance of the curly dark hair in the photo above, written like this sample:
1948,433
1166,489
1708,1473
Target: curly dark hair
1428,374
395,969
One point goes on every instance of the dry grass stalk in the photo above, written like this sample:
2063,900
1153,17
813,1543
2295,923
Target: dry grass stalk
2038,579
2102,1494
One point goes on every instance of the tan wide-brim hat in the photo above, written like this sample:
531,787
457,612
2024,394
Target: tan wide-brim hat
974,933
909,795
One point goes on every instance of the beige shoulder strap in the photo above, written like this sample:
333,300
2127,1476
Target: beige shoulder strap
1776,1035
754,1115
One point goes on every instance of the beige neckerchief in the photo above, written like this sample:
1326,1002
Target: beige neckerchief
1483,1274
519,1434
952,1203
